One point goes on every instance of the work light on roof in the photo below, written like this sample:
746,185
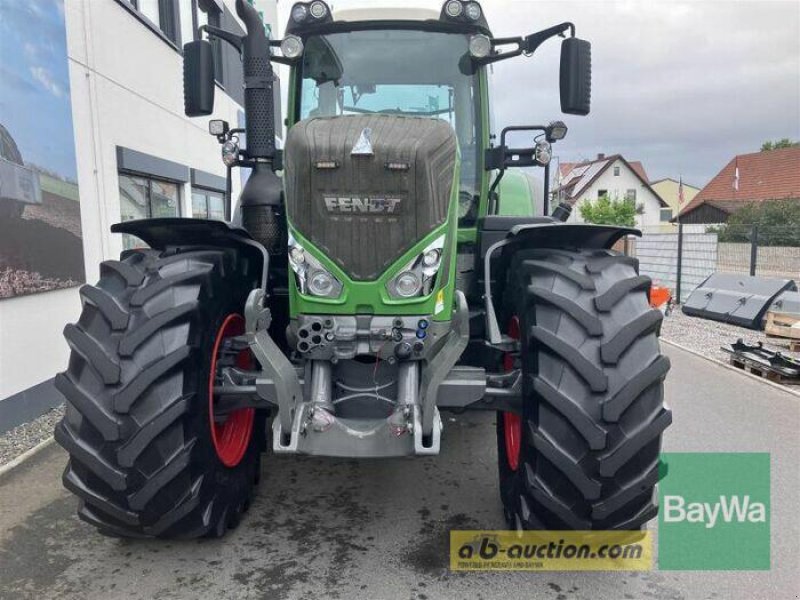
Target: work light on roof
473,11
299,13
454,8
318,10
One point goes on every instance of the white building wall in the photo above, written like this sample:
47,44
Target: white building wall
126,87
617,186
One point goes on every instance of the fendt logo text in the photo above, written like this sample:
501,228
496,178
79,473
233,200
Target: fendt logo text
729,509
370,206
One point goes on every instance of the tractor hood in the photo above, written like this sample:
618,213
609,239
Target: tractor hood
364,189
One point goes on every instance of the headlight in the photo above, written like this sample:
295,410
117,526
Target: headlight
543,152
291,46
311,277
321,283
230,153
480,46
407,284
418,276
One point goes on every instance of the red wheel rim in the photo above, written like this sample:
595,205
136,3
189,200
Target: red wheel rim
231,437
512,422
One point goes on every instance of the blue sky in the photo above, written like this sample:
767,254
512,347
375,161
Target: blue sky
34,83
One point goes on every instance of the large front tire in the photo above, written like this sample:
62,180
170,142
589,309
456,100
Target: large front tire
593,411
139,428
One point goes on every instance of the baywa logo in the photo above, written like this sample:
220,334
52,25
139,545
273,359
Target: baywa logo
715,510
728,508
362,206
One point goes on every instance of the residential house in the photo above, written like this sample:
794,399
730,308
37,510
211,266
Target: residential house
747,178
611,176
669,190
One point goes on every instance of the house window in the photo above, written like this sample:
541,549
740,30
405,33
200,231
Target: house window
602,194
616,171
209,14
630,195
207,204
146,198
666,215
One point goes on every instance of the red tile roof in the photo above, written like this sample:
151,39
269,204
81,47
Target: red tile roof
639,168
770,175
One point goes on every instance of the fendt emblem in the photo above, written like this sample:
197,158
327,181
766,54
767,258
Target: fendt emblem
370,206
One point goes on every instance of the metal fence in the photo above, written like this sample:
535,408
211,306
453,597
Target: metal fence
681,256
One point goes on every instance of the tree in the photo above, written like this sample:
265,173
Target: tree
605,211
778,145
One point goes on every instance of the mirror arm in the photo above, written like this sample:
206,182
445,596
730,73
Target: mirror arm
534,40
223,34
526,45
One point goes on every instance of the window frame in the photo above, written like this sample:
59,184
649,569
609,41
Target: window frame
206,192
617,171
169,17
150,179
661,218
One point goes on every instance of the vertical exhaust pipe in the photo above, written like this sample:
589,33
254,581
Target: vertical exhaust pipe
261,197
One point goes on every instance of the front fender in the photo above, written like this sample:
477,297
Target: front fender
166,232
511,235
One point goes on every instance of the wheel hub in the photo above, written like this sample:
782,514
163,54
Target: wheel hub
512,422
230,433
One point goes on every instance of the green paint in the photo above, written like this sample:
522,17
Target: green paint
371,297
516,195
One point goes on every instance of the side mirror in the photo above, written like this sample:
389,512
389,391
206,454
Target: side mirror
576,76
198,78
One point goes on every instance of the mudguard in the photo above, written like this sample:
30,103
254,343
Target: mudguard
512,234
164,232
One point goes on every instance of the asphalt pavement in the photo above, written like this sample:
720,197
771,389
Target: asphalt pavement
347,529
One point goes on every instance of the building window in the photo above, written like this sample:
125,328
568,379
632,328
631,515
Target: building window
630,195
207,204
616,171
163,14
209,14
146,198
602,194
666,215
188,19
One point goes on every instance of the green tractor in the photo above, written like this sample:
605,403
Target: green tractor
388,264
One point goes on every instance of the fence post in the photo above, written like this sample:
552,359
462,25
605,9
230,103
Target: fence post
679,265
753,249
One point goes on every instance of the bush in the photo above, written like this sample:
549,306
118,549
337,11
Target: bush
605,211
778,223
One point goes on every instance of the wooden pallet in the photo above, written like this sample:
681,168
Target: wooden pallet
785,325
760,371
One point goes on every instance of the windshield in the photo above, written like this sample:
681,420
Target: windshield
398,72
